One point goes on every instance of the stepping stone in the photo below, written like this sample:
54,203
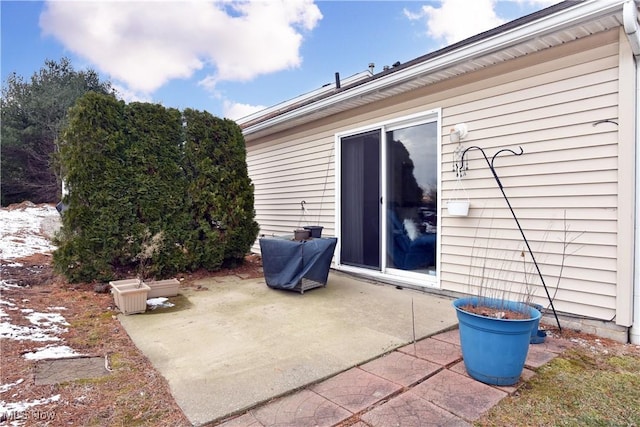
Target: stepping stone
409,410
302,409
538,356
56,371
244,420
452,336
433,350
459,394
527,374
355,389
401,368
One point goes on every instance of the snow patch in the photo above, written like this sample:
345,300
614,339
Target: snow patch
46,319
21,407
6,387
44,327
52,352
5,286
23,230
160,302
27,333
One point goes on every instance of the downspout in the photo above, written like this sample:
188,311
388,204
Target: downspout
630,21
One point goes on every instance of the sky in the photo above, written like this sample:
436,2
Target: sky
233,58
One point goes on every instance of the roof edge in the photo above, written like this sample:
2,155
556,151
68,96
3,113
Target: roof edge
545,21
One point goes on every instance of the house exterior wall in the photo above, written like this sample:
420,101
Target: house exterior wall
566,180
566,188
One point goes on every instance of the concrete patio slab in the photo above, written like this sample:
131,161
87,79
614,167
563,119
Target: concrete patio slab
238,343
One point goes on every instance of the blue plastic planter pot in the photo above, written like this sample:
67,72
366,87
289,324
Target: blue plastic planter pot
537,336
494,350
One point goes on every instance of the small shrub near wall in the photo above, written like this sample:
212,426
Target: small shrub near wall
152,191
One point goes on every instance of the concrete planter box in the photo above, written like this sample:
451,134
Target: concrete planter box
130,295
121,284
163,288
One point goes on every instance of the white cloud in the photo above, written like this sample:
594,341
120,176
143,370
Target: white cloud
538,3
236,110
146,44
127,95
456,20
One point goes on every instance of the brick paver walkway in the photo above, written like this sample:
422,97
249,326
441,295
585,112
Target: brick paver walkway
417,385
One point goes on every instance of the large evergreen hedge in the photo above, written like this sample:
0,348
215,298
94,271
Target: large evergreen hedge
153,191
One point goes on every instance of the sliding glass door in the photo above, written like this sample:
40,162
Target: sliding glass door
388,204
412,197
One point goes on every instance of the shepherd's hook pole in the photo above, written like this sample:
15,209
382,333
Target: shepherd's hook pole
495,175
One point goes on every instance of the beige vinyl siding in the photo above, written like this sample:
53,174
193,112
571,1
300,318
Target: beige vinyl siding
569,167
546,103
287,172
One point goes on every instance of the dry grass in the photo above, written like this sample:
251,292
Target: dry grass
134,394
597,383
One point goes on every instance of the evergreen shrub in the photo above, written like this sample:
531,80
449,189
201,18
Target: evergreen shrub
153,191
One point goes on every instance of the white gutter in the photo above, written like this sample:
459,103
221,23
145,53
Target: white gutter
630,21
581,12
